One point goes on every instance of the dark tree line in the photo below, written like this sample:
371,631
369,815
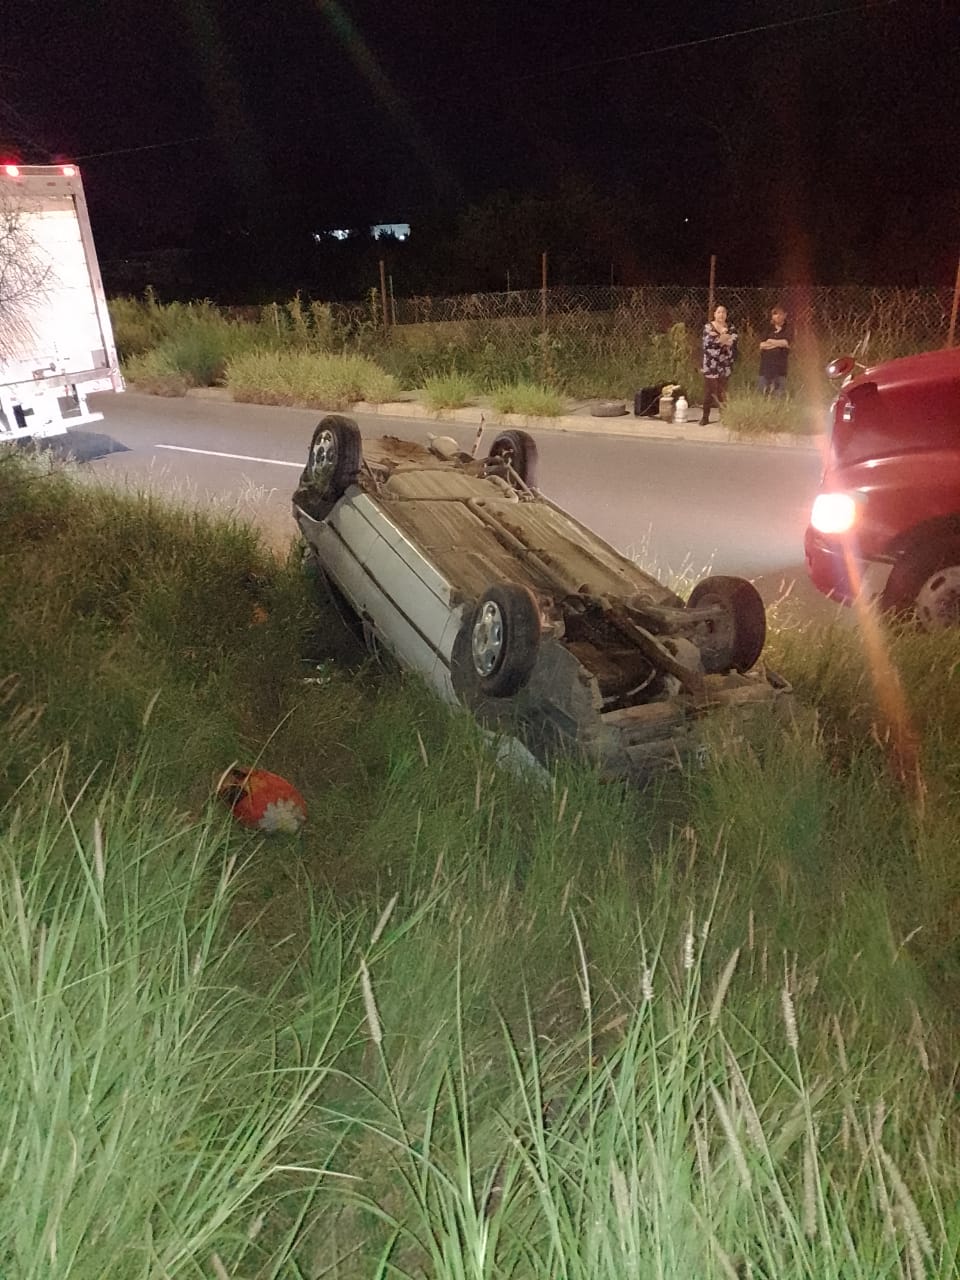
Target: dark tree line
248,250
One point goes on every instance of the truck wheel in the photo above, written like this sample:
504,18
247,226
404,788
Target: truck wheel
335,457
736,638
519,449
496,649
926,584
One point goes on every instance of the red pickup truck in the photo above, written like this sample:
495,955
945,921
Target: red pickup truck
886,522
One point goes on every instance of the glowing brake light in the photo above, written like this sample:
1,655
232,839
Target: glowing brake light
834,513
12,170
69,170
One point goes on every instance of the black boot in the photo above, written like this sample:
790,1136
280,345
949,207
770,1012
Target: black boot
708,398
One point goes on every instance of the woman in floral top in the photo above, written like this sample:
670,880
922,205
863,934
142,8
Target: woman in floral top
719,345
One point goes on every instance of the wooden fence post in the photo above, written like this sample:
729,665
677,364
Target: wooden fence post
713,282
543,316
383,293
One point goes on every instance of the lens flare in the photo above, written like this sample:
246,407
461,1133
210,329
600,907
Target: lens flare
894,730
369,67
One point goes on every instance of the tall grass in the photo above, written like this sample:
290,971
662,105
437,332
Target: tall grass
753,414
154,1108
528,398
722,1124
581,354
462,1025
156,373
187,341
315,381
448,391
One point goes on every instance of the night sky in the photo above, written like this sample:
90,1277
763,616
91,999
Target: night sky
824,146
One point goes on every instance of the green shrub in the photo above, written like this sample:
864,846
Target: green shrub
461,1022
412,369
136,325
313,380
154,372
309,326
201,348
142,1080
449,391
528,398
190,341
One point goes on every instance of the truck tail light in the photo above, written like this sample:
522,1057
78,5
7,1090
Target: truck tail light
834,513
69,170
12,170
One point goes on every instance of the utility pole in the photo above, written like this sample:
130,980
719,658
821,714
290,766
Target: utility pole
713,283
383,293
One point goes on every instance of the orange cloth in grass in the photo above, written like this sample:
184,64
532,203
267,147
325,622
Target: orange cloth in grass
263,801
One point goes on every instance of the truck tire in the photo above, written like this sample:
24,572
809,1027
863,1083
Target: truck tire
738,636
519,449
925,584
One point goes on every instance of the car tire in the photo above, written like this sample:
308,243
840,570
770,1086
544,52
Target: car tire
608,409
925,585
519,450
335,458
497,646
738,638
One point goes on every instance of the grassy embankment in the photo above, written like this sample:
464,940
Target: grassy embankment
462,1026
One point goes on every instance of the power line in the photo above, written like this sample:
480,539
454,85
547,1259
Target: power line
655,51
702,40
153,146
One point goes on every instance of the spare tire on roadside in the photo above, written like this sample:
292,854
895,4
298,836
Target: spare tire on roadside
608,409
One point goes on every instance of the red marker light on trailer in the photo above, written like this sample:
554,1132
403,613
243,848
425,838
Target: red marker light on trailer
12,170
69,170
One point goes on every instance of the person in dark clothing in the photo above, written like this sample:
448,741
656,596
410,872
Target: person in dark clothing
719,347
774,354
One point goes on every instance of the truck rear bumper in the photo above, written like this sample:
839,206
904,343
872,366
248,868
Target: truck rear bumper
47,407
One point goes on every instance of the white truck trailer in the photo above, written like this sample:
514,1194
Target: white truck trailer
56,342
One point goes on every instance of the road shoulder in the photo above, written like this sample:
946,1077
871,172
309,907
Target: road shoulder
581,422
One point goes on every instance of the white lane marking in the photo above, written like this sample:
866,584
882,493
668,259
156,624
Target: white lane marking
239,457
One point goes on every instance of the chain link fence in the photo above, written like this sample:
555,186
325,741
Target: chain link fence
893,317
604,340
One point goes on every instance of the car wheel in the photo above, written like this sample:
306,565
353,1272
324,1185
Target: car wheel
496,649
608,409
335,457
926,583
519,450
737,636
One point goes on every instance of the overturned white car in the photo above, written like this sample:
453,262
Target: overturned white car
463,571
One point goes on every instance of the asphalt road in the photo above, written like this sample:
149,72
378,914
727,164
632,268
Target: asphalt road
723,508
